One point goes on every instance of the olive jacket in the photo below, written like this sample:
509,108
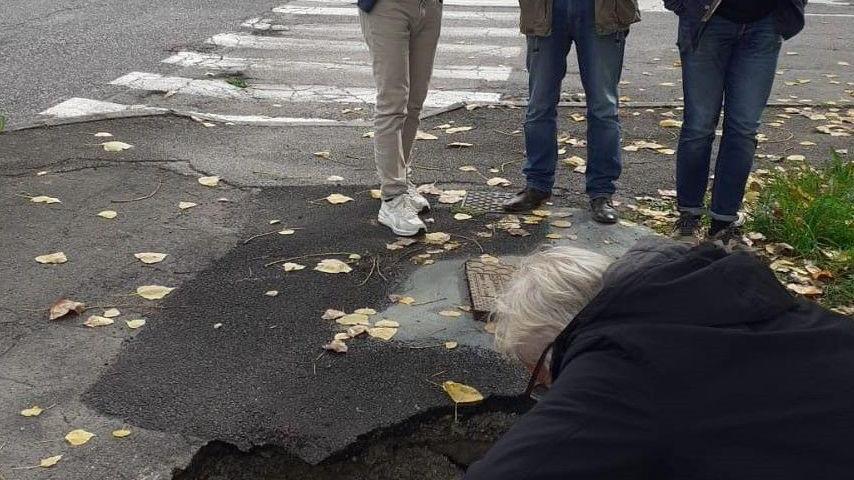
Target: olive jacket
611,16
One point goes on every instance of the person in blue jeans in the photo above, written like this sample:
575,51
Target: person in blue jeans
600,51
729,51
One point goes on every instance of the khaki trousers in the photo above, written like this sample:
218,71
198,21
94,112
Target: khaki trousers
402,36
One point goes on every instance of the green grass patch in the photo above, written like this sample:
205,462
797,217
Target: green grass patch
812,209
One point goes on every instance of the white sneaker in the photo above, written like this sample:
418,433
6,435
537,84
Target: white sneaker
400,216
421,204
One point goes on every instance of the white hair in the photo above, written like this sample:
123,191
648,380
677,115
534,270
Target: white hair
549,289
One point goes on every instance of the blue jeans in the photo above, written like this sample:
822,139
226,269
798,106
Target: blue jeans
733,67
600,61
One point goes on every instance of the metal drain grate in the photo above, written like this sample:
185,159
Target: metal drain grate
485,284
485,201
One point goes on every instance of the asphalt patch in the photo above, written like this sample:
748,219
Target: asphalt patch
262,378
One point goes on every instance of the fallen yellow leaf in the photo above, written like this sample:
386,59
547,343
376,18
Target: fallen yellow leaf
670,123
383,333
112,312
336,346
437,238
561,224
98,321
462,394
44,199
186,205
108,214
116,146
150,257
52,258
385,323
498,181
450,313
50,461
153,292
366,311
451,345
121,433
462,216
337,198
212,181
134,324
353,319
33,411
78,437
332,314
332,265
458,129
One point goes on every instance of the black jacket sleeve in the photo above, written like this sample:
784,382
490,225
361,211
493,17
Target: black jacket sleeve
596,422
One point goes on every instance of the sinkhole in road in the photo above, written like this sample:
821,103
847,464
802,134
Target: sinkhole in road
430,446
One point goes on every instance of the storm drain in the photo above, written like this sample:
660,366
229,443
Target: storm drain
486,280
485,201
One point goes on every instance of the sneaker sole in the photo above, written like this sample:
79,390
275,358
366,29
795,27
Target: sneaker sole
396,231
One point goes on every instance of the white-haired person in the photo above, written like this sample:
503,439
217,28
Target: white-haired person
672,363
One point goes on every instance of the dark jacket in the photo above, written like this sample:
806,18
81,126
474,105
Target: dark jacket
611,16
694,365
366,5
695,13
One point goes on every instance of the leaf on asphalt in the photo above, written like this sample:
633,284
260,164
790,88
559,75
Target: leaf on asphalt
451,345
518,232
670,123
333,266
429,189
401,299
458,130
332,314
353,319
337,198
805,290
376,194
322,154
461,393
574,161
341,336
450,313
425,136
554,236
561,224
462,216
98,321
63,307
271,293
121,433
386,323
365,311
336,346
52,258
468,168
112,312
578,117
368,135
796,158
383,333
107,214
357,330
186,205
116,146
498,181
103,134
50,461
211,181
153,292
78,437
354,256
134,324
580,169
150,257
217,326
666,151
287,231
33,411
489,259
334,178
292,267
460,145
436,238
452,196
45,199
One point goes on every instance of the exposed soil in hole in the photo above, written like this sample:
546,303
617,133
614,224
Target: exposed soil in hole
427,447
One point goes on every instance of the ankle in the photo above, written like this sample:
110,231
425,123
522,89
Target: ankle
718,226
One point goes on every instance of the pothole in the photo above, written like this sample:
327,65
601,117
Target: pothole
429,446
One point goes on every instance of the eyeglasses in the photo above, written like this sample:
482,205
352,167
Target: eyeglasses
536,389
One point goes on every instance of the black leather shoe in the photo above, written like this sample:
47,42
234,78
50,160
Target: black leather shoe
603,210
526,200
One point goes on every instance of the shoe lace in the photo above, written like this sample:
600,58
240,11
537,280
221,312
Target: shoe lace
687,224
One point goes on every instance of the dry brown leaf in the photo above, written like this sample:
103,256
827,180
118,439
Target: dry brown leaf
78,437
63,307
436,238
98,321
498,181
489,259
322,154
292,267
386,323
461,393
52,258
121,433
357,330
450,313
805,290
108,214
50,461
112,313
458,130
554,236
518,232
186,205
45,199
670,123
332,266
420,135
336,346
150,257
365,311
462,216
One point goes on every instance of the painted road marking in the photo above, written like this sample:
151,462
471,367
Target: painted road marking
287,93
353,11
219,62
236,40
353,31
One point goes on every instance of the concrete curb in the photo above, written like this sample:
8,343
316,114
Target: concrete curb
272,122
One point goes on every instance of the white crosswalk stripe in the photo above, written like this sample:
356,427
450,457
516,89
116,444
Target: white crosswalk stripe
308,59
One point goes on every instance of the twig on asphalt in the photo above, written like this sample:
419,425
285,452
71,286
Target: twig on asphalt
507,163
471,240
145,197
373,267
435,169
439,373
286,260
428,303
314,362
253,237
420,347
505,133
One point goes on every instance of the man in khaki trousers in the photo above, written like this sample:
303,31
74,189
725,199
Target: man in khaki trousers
402,36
